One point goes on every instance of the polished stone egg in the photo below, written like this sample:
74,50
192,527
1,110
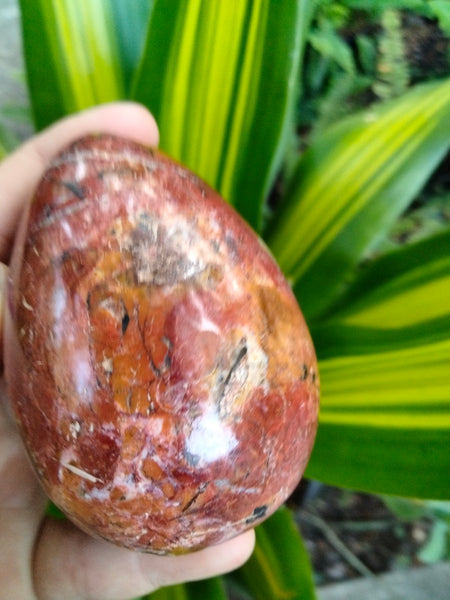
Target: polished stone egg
158,365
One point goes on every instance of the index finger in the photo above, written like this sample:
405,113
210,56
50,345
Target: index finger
21,171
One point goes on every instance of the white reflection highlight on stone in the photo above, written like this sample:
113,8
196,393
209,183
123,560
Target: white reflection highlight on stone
210,438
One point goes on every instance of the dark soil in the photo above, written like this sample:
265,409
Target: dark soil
427,48
352,534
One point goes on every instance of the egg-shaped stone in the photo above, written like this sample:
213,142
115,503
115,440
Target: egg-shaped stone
158,365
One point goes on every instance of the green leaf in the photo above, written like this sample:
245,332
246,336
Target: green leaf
279,568
220,78
436,548
406,509
8,139
441,10
54,512
384,365
327,42
210,589
438,510
3,152
131,23
392,68
78,44
383,459
375,7
398,301
351,185
405,388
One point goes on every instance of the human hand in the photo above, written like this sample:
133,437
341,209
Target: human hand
42,558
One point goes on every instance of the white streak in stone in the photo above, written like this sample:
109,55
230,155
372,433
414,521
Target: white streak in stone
67,229
204,323
26,304
81,473
80,171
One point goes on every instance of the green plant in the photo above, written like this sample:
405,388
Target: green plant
222,80
437,547
393,74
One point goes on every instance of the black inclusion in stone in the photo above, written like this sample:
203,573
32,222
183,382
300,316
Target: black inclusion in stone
125,321
258,513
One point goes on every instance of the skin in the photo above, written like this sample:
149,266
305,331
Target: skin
40,558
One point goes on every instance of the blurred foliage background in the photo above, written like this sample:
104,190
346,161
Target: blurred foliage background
325,123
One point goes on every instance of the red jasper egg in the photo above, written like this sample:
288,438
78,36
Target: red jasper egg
158,364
